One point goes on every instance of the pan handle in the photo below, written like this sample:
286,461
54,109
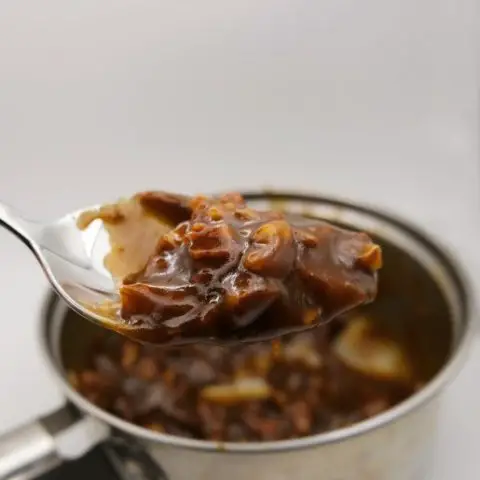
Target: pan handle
36,448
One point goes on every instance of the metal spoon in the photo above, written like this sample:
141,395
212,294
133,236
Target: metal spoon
72,260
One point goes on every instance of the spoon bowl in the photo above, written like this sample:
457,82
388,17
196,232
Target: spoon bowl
72,260
225,273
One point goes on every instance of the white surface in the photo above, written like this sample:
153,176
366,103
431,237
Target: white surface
375,100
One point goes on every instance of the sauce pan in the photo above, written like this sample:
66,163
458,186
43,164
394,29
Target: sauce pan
424,300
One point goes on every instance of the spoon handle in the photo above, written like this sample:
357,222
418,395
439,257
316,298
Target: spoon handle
61,238
13,222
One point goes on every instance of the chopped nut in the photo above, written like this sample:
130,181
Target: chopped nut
273,251
169,241
246,214
304,353
310,315
215,214
198,202
371,258
198,227
269,231
130,352
244,389
361,348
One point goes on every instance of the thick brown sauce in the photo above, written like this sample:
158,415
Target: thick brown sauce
296,386
228,273
350,369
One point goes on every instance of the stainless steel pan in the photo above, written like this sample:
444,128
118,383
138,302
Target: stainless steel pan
424,299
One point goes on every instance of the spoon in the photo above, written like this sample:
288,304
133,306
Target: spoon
72,259
226,273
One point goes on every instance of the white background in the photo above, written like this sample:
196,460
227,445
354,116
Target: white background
372,100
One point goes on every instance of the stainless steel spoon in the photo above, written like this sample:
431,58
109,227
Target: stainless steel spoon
72,260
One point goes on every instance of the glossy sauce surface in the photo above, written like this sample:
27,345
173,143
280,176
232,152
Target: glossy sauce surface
228,273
